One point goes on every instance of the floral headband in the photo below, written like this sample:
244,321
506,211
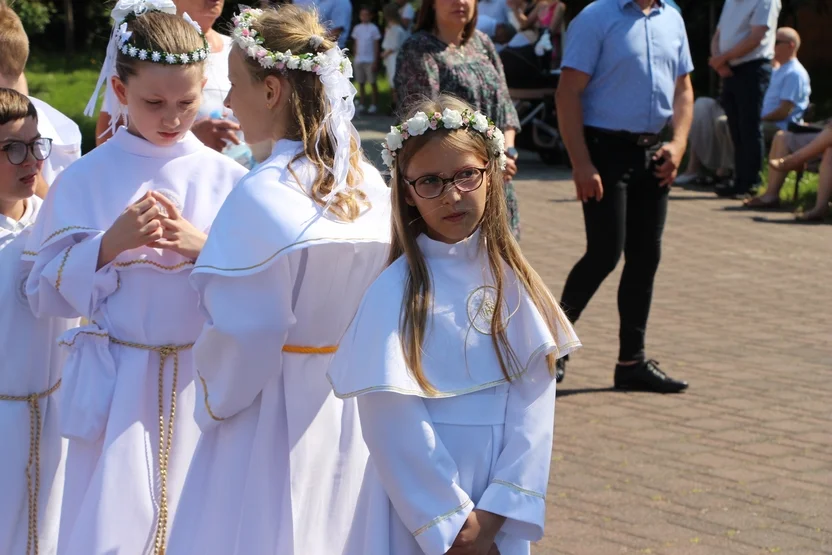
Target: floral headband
448,119
124,12
122,36
252,44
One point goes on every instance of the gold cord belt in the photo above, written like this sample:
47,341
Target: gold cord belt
165,441
33,465
303,350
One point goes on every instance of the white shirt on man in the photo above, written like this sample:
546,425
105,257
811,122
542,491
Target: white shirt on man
365,35
736,21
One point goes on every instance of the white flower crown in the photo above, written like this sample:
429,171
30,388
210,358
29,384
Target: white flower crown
252,44
448,119
122,36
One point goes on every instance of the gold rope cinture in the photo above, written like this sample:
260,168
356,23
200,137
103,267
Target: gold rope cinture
33,464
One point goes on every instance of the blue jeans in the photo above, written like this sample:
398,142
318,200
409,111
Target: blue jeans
742,100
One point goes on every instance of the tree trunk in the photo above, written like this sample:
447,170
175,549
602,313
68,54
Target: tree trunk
69,29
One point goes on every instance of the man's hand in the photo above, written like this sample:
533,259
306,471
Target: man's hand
724,71
717,61
215,132
587,183
670,155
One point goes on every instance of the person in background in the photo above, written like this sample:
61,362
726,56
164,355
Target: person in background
365,65
340,17
793,151
785,102
447,54
52,124
394,37
741,52
406,13
624,89
498,10
215,126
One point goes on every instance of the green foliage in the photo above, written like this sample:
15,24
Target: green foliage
35,14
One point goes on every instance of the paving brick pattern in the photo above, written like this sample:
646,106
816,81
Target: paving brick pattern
742,462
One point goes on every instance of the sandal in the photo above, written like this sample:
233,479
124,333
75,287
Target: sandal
761,202
810,217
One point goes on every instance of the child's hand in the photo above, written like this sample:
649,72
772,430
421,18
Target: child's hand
136,227
375,66
477,534
178,234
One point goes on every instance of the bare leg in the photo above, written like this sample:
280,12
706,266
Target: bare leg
805,154
821,208
776,178
374,85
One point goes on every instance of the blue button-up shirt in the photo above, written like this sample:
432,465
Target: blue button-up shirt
788,82
633,60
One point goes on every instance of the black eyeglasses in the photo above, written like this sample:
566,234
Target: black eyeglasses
17,151
433,186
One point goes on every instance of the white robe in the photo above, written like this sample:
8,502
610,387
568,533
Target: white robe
31,365
110,393
479,442
280,461
65,135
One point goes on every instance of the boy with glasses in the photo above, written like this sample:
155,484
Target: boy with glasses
31,469
65,134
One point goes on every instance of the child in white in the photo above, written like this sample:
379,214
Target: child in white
451,355
115,242
280,461
366,37
394,37
32,466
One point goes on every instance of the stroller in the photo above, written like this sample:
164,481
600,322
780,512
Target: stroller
532,84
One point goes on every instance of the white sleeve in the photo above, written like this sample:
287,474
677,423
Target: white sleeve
521,473
376,33
418,473
240,347
64,281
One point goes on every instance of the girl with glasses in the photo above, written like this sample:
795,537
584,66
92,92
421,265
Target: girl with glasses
451,354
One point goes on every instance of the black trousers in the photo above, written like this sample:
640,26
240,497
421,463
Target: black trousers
630,219
742,100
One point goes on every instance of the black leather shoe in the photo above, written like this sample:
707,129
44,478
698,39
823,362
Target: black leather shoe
560,368
729,190
646,376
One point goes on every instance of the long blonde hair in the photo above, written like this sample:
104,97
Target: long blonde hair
495,237
288,27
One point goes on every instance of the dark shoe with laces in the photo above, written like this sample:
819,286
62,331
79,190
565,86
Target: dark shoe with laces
560,368
646,376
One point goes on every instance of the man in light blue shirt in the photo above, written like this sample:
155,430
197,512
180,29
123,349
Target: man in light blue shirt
742,49
787,96
624,85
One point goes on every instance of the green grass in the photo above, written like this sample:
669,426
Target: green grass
66,84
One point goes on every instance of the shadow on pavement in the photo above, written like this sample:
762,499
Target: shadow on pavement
580,391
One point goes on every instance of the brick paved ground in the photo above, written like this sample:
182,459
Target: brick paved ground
742,462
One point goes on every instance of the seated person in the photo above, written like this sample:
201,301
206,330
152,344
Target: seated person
812,147
785,101
709,143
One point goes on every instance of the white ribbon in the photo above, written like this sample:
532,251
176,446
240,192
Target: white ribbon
340,92
122,9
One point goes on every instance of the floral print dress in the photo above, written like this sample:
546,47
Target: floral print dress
426,67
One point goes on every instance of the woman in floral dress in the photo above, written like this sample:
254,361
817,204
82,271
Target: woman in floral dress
447,54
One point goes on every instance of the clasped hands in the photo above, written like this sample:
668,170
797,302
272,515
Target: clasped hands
152,221
477,534
720,64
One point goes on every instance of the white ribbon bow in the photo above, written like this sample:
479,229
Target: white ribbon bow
126,7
